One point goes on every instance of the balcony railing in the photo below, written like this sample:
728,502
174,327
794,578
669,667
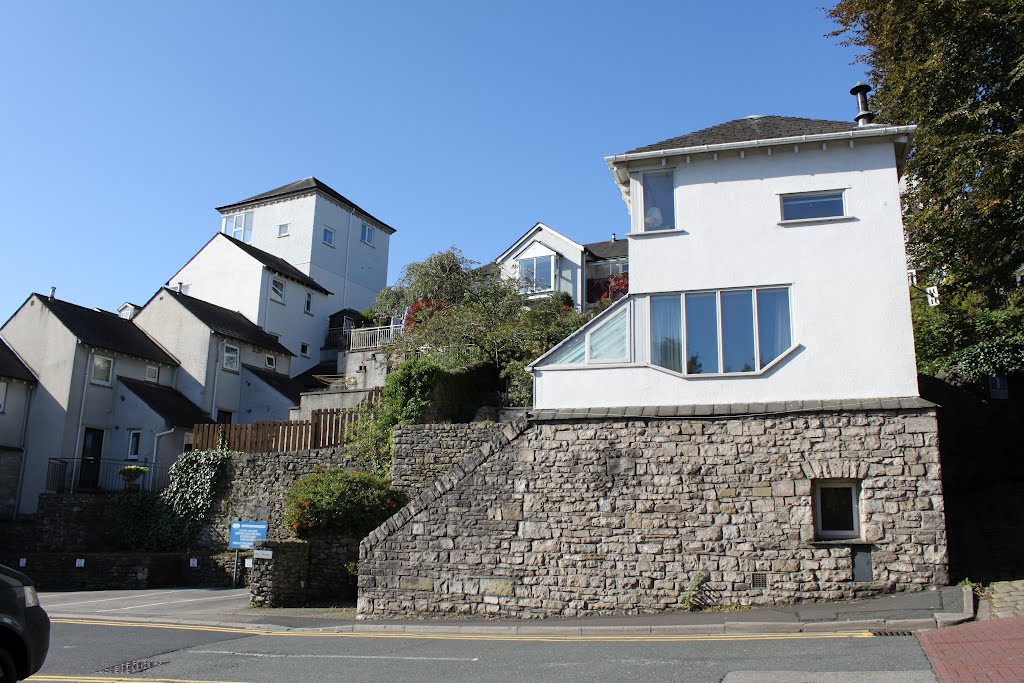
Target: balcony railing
67,476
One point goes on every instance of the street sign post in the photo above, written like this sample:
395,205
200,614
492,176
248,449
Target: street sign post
243,535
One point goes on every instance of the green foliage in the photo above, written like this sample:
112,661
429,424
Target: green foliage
341,501
195,476
131,473
404,399
692,598
956,69
976,588
444,278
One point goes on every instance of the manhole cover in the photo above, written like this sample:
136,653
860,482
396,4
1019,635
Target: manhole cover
133,667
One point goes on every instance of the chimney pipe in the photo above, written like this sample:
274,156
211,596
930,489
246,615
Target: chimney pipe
179,288
860,91
613,237
53,292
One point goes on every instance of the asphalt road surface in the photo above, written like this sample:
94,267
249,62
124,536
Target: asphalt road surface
112,637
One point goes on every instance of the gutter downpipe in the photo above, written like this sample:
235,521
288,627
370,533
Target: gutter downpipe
156,444
348,253
24,443
216,374
81,417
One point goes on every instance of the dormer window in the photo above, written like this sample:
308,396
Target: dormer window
659,202
239,226
535,274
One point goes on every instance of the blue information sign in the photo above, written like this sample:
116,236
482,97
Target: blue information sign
244,534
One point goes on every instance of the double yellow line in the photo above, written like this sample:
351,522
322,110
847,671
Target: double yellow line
108,679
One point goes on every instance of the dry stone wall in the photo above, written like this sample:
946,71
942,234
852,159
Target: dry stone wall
422,453
620,515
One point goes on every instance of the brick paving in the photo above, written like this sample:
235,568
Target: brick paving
985,651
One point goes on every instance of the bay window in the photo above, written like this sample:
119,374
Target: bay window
733,331
608,342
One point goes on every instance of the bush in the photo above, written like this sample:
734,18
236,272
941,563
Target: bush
342,501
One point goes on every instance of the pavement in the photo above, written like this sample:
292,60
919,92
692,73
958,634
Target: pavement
898,613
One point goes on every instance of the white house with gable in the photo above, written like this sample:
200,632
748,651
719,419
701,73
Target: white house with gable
287,259
767,264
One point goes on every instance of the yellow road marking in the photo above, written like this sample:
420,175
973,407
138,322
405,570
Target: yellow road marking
542,638
115,679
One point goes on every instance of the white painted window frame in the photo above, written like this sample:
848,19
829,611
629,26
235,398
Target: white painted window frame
92,371
721,343
274,295
286,231
328,230
589,360
532,289
626,304
270,362
366,234
156,373
307,306
231,232
224,358
138,446
841,191
641,226
837,534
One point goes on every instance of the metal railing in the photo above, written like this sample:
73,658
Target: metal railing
64,475
368,338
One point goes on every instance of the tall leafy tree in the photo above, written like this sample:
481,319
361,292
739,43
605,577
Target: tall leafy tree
956,69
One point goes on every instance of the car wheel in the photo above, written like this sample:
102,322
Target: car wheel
8,674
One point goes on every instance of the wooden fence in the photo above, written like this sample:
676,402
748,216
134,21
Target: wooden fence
328,427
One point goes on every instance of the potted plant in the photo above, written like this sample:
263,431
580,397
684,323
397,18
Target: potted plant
131,474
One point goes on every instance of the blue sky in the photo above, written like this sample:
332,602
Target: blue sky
461,123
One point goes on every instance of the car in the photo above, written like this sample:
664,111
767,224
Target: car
24,627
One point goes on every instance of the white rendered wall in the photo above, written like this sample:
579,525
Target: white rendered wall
849,300
352,270
12,418
224,275
290,322
260,401
187,339
297,212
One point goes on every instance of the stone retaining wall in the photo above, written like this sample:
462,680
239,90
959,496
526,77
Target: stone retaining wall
620,515
281,580
424,452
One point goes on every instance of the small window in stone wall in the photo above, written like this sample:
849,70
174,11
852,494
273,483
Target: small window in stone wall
836,509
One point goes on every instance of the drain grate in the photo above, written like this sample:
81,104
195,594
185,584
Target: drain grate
887,632
759,580
133,667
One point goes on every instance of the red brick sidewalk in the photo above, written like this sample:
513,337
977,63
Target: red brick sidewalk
981,651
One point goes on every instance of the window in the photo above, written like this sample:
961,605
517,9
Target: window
606,343
308,306
304,349
277,290
329,236
720,332
535,274
366,234
134,442
271,362
102,370
282,230
811,205
239,226
152,373
836,509
230,361
184,289
659,204
224,417
3,396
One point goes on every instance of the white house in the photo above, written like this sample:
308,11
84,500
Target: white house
104,398
767,264
545,261
287,259
232,369
17,384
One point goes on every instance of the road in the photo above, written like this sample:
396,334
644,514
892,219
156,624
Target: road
90,646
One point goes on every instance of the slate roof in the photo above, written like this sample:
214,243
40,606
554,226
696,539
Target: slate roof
167,402
301,187
229,323
278,265
11,366
106,330
609,249
282,384
751,128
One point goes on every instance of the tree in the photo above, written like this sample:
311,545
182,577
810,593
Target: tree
956,69
443,279
483,318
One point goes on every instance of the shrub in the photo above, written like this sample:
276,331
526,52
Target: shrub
343,501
